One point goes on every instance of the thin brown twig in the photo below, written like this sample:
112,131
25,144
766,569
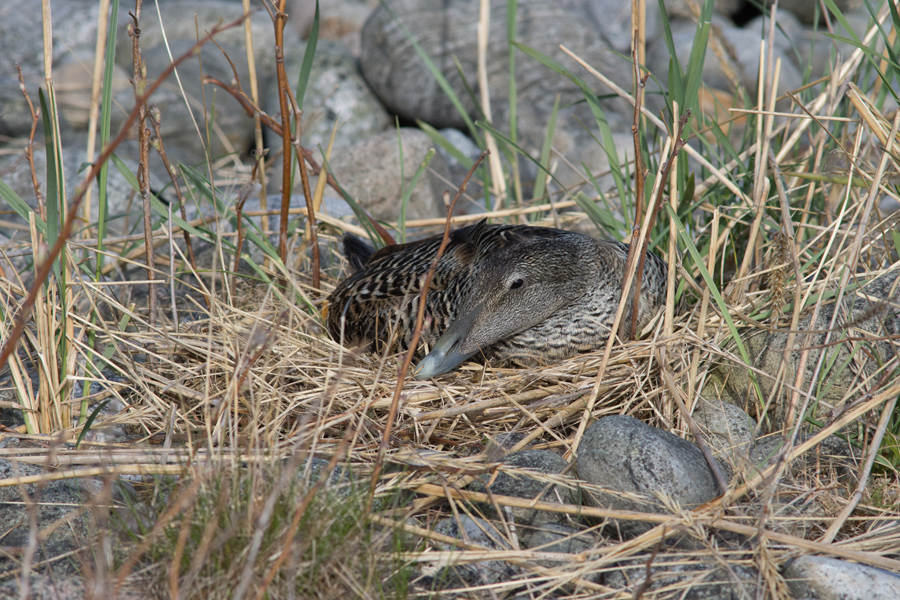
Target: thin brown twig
639,178
417,332
307,195
654,210
139,82
648,576
639,83
66,231
280,18
154,118
246,103
29,150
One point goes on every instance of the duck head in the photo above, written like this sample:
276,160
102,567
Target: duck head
514,289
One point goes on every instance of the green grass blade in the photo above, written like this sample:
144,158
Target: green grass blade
714,291
604,220
52,153
501,137
512,9
106,109
21,207
438,138
309,55
676,73
408,190
251,230
609,146
157,205
694,74
90,419
872,56
540,183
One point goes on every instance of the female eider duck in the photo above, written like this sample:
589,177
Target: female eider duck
514,293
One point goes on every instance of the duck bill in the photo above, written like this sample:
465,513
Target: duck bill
449,351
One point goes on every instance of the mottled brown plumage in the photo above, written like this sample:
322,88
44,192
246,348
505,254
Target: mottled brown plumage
527,295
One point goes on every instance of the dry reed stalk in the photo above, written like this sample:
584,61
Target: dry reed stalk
482,31
257,123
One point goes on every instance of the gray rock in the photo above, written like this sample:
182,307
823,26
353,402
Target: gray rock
612,21
833,457
74,31
686,580
458,171
865,312
339,20
765,450
370,172
522,486
340,482
798,514
447,32
336,92
207,255
54,499
806,45
729,430
810,10
15,118
64,587
479,532
816,49
679,9
888,206
788,32
622,454
72,82
556,537
461,142
234,130
833,579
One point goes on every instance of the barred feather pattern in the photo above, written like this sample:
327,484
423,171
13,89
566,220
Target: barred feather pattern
379,303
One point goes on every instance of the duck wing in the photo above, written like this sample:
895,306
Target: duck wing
380,301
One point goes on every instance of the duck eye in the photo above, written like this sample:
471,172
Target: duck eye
516,284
